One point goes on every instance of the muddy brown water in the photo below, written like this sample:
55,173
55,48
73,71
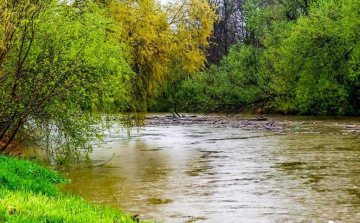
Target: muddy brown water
216,173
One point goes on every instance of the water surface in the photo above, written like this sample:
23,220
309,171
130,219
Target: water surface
215,173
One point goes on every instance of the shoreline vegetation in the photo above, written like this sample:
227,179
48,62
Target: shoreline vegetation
29,193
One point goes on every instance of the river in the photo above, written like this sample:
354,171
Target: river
217,173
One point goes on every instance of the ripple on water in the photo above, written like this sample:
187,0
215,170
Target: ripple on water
217,174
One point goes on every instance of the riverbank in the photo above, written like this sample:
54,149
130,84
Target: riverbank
29,193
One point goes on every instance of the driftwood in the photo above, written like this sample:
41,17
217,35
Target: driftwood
258,119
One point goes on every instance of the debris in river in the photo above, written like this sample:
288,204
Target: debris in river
352,126
257,123
258,119
274,125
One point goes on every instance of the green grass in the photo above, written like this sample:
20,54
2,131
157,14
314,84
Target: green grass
29,176
32,207
28,193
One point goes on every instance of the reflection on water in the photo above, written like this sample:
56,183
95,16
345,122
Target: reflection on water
222,174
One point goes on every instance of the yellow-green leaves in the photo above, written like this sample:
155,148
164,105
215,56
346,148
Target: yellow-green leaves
59,70
164,42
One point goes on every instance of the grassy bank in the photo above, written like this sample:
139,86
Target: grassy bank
28,193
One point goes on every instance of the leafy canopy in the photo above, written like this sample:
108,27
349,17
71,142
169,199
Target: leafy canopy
59,68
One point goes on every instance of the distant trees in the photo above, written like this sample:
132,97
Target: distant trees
240,81
303,58
243,20
229,29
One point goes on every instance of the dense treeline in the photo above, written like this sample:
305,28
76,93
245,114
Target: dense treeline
298,57
66,67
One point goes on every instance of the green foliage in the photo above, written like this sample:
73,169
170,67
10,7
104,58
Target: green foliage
60,69
314,66
300,57
263,16
240,81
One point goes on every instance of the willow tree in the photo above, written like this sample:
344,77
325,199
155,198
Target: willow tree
59,69
164,43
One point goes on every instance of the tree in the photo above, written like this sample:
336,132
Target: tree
59,68
229,29
317,64
165,43
265,19
302,58
239,82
